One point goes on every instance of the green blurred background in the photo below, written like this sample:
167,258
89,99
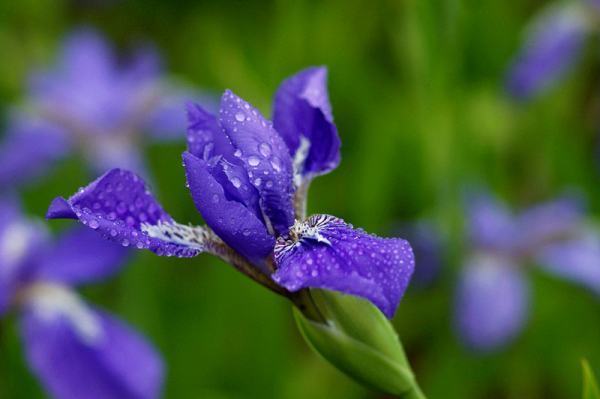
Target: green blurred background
416,88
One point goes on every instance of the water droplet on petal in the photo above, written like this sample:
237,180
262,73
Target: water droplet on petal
215,199
253,160
265,150
237,153
257,182
94,224
240,117
236,182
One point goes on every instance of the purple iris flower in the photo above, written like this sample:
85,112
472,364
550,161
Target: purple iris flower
428,244
492,301
93,103
76,350
249,178
553,45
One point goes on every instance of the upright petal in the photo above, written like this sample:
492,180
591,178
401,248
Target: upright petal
205,138
231,220
552,47
80,352
576,259
265,157
301,111
81,255
29,150
120,207
491,303
325,252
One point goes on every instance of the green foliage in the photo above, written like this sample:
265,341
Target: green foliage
360,341
590,386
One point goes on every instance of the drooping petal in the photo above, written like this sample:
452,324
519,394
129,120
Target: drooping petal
576,259
232,221
29,149
550,221
265,157
325,252
552,47
491,224
302,111
80,352
491,303
79,256
120,207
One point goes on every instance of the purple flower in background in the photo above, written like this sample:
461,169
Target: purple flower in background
428,245
249,178
95,104
492,300
553,45
76,350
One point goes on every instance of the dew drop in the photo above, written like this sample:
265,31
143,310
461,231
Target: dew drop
94,224
215,199
246,232
253,161
257,182
237,153
236,182
265,150
276,164
125,243
269,184
240,117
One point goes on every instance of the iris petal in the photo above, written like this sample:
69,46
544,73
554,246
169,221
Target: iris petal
325,252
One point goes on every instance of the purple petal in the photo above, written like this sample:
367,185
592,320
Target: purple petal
231,220
491,225
325,252
78,352
265,157
576,259
302,110
553,46
84,88
491,304
22,243
29,149
205,137
80,256
121,208
550,221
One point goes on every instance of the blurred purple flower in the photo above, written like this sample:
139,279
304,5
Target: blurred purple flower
93,103
76,350
492,297
428,246
249,178
553,45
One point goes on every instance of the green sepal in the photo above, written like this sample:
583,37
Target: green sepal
590,386
359,341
